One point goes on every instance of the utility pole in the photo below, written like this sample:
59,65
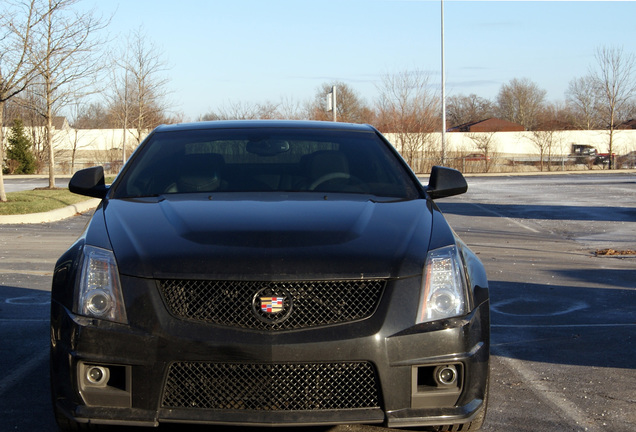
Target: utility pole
443,94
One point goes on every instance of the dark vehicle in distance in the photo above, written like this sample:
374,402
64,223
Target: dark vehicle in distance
628,160
267,274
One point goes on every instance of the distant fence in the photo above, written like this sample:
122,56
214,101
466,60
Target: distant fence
511,164
466,164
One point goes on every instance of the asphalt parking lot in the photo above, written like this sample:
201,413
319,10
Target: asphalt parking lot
563,319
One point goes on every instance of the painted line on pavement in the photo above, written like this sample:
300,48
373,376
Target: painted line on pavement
562,325
500,215
553,397
28,272
19,373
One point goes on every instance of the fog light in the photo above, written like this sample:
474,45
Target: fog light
97,375
446,375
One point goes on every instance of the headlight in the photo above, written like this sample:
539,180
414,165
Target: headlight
99,294
443,286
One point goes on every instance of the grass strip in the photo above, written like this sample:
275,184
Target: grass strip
41,200
38,201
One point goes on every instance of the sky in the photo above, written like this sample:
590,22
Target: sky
224,52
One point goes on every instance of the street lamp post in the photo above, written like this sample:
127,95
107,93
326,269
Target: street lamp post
443,94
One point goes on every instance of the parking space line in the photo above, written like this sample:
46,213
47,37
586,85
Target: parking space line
28,272
22,371
556,399
500,215
562,325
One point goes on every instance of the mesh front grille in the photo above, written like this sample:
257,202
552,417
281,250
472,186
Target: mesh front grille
271,387
302,304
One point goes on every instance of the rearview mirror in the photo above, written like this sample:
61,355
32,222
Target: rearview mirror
445,182
89,182
267,147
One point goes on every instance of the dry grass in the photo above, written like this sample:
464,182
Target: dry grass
38,201
612,252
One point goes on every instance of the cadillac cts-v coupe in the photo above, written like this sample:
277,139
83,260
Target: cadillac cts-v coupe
269,273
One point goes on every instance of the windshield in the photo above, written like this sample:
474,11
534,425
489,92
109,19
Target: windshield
263,160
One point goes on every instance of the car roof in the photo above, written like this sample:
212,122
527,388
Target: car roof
251,124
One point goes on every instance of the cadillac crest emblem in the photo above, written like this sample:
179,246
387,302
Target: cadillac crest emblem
272,305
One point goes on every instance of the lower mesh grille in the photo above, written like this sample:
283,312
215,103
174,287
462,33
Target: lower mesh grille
271,387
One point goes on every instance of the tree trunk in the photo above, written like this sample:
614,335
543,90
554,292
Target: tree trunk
3,194
49,140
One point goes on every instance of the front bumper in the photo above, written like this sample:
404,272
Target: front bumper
140,357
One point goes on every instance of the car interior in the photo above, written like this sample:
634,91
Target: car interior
264,166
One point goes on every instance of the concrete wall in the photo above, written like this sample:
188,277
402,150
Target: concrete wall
103,146
505,143
86,139
521,143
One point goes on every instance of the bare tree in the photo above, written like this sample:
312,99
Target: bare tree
287,108
68,64
75,135
120,103
17,23
546,141
616,79
94,115
520,101
351,108
244,111
583,97
408,107
462,109
557,116
486,144
291,109
139,87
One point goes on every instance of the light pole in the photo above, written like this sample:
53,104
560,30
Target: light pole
443,94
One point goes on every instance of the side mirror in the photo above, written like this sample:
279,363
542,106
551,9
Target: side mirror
445,182
89,182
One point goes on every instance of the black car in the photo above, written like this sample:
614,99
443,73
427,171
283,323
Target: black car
269,273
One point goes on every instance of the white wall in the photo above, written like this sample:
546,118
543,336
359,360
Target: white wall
505,143
87,139
520,143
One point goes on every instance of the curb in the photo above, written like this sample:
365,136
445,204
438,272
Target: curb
50,216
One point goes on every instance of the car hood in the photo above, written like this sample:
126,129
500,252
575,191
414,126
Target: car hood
268,237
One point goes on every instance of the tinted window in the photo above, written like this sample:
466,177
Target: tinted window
261,160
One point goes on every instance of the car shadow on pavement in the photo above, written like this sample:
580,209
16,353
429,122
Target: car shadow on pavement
24,303
24,380
571,325
538,211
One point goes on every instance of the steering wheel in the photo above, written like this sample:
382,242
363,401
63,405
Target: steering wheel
357,183
329,176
